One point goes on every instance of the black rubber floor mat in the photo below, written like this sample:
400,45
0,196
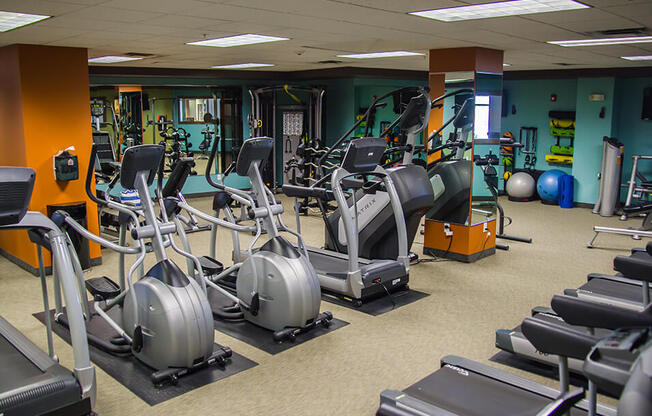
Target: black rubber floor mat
380,305
135,375
262,338
541,369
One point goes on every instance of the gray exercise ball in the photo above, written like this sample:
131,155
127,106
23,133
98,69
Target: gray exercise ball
521,185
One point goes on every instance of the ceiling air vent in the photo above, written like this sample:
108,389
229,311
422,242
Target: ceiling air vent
330,62
139,55
632,31
563,64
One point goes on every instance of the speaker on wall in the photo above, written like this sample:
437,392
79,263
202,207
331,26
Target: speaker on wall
646,114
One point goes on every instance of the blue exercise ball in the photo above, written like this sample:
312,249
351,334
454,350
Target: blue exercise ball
548,185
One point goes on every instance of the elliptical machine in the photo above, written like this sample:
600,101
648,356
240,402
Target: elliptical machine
274,287
166,318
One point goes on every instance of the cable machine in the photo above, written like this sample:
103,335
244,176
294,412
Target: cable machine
300,124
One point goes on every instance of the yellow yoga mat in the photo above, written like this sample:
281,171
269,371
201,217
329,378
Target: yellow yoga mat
562,124
566,160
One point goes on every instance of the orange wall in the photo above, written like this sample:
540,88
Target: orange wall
53,101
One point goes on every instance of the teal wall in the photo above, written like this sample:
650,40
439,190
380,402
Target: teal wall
623,102
532,102
589,131
634,133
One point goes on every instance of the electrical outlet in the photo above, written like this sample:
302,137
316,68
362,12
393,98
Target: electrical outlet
484,227
447,230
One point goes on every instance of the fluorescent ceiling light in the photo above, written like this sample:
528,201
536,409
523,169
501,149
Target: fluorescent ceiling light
11,20
507,64
112,59
500,9
638,58
239,40
602,41
372,55
241,66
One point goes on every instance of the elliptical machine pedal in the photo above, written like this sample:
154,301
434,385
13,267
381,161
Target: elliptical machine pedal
102,288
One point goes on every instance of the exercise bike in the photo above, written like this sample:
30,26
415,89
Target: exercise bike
274,286
164,316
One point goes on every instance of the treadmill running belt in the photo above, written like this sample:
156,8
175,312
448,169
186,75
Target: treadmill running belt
15,367
332,266
135,375
466,393
620,290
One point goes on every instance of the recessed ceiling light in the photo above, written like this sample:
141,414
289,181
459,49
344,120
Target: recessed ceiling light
239,40
506,64
372,55
11,20
500,9
602,41
638,58
112,59
241,66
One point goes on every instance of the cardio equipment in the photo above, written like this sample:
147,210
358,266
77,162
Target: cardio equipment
618,362
164,317
378,237
600,307
274,286
31,381
352,277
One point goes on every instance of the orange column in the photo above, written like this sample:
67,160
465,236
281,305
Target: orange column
44,108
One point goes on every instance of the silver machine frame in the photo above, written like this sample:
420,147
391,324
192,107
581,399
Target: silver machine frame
64,266
353,283
634,190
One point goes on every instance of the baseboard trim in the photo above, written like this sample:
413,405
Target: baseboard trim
34,270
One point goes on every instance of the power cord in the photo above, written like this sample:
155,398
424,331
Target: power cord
389,295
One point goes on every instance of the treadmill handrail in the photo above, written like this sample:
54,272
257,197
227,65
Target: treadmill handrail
350,227
61,256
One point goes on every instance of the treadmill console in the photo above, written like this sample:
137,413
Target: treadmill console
610,361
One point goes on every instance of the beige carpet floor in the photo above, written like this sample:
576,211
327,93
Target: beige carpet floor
342,373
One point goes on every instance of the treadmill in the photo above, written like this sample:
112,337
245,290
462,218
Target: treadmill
515,342
465,387
628,289
32,382
348,276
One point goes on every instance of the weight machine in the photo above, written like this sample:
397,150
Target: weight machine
301,130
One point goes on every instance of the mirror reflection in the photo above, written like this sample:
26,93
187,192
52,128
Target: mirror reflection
449,161
486,146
